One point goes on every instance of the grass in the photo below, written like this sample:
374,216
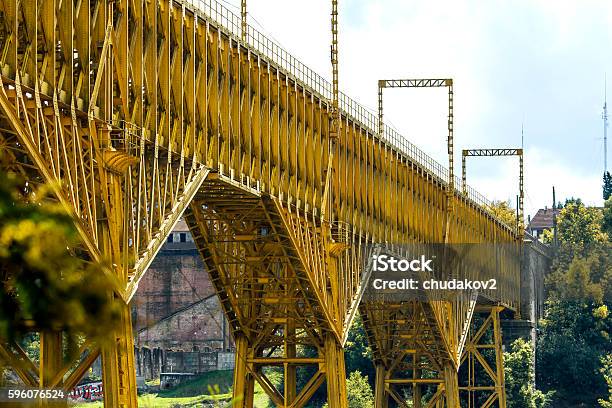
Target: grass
209,387
202,385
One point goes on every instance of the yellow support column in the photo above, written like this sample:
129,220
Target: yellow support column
118,369
51,361
244,384
500,383
290,369
335,370
381,399
451,386
417,392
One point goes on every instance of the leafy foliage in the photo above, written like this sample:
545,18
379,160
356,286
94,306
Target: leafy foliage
606,370
357,357
520,377
359,392
579,232
606,222
548,236
575,333
579,224
45,285
503,211
607,185
357,353
574,336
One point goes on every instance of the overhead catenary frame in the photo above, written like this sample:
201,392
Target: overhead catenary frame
495,153
427,83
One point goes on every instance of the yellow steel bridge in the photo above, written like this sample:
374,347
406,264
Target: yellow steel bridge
140,112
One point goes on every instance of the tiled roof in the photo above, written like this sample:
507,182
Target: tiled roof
543,219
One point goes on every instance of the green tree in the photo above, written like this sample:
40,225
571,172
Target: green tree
607,185
575,333
357,352
576,283
520,378
359,392
579,224
503,211
44,283
548,236
574,336
606,370
606,222
578,231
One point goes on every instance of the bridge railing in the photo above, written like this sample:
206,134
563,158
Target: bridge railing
231,23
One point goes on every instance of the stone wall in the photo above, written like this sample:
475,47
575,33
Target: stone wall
198,327
151,363
536,262
175,307
175,279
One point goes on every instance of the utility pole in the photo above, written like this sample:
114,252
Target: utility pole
554,218
328,198
243,15
604,116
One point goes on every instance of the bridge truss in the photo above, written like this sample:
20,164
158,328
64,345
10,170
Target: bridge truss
141,112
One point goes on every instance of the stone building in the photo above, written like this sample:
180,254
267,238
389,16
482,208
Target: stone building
178,321
543,220
176,306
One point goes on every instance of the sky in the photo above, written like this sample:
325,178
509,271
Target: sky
532,64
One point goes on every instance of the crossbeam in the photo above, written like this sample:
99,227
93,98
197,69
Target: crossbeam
414,83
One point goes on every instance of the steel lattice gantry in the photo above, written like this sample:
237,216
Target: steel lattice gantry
140,112
498,153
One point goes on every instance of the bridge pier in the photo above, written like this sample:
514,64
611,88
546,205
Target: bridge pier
381,399
244,383
118,369
335,373
51,363
451,386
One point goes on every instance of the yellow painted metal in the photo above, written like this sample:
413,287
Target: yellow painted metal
428,83
51,361
497,153
140,112
485,338
243,19
451,386
436,330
